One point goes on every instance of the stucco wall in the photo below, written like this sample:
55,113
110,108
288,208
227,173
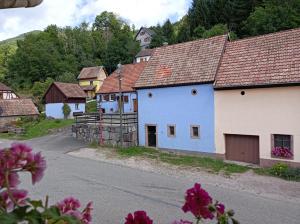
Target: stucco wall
55,109
261,112
128,107
177,106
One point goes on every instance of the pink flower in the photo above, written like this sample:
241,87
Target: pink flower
197,201
19,196
182,222
220,209
68,204
36,167
139,217
86,214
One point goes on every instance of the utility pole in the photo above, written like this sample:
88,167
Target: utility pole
120,102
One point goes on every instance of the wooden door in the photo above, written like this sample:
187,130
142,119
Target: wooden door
151,136
135,105
243,148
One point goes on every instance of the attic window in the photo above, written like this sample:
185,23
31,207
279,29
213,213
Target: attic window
243,93
194,92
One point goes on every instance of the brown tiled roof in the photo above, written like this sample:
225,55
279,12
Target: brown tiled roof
185,63
145,53
88,88
3,87
90,72
272,59
130,74
70,90
17,107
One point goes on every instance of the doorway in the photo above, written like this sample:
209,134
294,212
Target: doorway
151,136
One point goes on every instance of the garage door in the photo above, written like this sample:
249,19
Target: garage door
243,148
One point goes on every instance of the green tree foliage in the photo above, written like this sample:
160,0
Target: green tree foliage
216,30
272,16
6,51
168,32
66,110
67,77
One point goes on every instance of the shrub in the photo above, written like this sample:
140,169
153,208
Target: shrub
66,110
284,171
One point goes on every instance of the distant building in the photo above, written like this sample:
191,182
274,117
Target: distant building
91,80
6,93
144,37
108,94
60,93
144,55
11,110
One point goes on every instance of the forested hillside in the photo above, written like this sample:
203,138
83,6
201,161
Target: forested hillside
60,53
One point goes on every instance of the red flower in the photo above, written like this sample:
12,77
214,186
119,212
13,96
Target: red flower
197,201
139,217
19,196
220,209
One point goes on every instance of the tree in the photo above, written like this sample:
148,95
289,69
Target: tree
168,32
66,110
6,52
272,16
216,30
67,77
158,39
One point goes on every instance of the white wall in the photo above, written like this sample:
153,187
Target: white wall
261,112
55,109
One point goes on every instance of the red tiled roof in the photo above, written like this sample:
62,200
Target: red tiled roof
88,88
70,90
3,87
17,107
272,59
185,63
130,74
90,72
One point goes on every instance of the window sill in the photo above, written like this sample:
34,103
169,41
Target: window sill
283,158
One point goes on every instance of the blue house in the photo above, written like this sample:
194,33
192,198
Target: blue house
108,94
176,96
59,94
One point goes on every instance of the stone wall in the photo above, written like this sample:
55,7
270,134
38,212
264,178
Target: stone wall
110,134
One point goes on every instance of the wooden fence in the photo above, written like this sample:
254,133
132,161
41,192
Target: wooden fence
106,119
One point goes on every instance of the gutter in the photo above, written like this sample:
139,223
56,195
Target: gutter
4,4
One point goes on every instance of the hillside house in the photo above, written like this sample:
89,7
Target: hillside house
144,55
108,94
91,80
176,96
144,37
13,109
257,100
60,93
6,93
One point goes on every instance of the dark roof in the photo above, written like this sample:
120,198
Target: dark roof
88,88
147,30
145,53
185,63
17,107
272,59
130,74
90,72
3,87
70,90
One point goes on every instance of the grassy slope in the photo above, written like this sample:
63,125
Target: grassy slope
13,41
38,129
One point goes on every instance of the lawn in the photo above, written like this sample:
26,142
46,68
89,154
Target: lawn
208,163
34,129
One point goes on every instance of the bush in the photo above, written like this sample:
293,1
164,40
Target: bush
284,171
66,110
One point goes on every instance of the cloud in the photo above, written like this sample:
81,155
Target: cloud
71,12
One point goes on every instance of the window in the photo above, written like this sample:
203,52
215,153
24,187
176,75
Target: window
150,95
112,97
243,93
195,131
194,92
91,83
76,106
106,97
282,146
171,131
100,98
125,99
142,33
147,39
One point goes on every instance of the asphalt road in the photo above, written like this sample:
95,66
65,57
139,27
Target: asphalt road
117,190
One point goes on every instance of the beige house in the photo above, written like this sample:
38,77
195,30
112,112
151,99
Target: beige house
257,100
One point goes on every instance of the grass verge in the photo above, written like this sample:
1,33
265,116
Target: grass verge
34,129
209,164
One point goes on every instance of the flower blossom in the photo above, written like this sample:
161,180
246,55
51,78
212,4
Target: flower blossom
198,201
19,196
139,217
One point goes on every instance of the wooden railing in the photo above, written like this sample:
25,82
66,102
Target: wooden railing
106,119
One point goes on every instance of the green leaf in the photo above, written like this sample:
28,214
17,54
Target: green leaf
8,218
37,204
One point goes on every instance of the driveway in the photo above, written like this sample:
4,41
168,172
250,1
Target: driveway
117,190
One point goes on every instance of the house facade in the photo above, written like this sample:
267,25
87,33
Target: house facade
6,93
176,96
91,79
108,95
59,94
144,37
257,107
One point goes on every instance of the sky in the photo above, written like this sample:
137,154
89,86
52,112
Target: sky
72,12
